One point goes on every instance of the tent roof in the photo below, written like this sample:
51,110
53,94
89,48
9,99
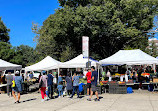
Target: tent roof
78,62
130,57
4,65
45,64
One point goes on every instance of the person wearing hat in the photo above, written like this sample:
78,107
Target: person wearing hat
18,86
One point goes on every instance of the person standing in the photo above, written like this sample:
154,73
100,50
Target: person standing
50,85
31,75
60,89
88,76
140,78
44,85
18,86
75,79
109,75
127,74
93,80
55,84
9,79
68,82
60,79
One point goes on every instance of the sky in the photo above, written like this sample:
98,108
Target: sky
18,16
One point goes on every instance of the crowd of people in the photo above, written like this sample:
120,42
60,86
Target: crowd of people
51,85
69,85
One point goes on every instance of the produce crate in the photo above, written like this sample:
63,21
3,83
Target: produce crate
112,91
155,80
113,87
121,90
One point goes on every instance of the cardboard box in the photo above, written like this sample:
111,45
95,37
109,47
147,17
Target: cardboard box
155,80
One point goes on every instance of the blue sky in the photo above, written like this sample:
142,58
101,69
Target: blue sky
18,16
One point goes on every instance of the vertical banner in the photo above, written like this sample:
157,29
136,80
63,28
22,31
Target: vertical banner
85,46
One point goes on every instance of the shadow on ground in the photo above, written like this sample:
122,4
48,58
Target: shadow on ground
28,100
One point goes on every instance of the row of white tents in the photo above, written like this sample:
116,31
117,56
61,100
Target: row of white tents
128,57
49,63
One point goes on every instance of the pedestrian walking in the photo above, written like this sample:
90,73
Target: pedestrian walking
9,79
18,86
43,85
68,82
75,79
93,80
50,85
88,76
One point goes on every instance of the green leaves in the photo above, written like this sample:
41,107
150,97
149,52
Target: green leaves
111,25
4,36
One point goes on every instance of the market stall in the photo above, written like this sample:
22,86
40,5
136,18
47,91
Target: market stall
129,58
4,65
47,63
78,62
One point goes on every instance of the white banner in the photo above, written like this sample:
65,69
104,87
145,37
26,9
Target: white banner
85,46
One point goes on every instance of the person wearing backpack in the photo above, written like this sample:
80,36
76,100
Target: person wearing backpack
43,85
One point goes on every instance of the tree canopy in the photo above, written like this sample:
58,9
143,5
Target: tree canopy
4,32
111,25
24,55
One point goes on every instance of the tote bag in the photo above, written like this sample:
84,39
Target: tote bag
41,82
13,82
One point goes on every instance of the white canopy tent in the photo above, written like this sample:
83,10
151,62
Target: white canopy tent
47,63
130,57
78,62
4,65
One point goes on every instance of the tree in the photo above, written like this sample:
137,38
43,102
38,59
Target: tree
152,49
4,32
6,51
111,25
24,55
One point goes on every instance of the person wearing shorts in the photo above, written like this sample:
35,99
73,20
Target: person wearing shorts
94,78
88,76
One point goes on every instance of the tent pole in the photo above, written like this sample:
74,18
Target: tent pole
71,72
58,71
98,73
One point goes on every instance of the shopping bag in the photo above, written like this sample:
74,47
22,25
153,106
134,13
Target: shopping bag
13,82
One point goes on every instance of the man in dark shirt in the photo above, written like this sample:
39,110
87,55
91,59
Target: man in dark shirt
93,80
50,85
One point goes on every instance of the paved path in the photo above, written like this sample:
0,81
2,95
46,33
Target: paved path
138,101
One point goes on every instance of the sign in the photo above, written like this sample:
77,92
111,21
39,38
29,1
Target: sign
88,64
85,46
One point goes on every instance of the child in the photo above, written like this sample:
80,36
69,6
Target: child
60,89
